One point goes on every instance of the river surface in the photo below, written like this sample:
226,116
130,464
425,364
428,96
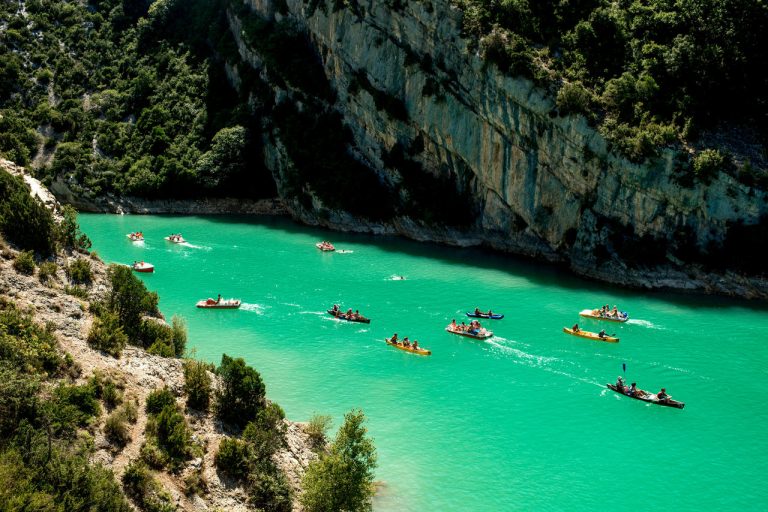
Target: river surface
520,422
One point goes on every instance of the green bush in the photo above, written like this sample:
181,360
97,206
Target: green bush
197,384
266,433
47,271
18,398
707,163
574,98
268,490
24,263
76,291
79,271
116,429
68,231
78,403
25,345
179,335
317,429
233,457
142,487
172,433
242,392
342,479
131,412
24,220
129,298
107,334
159,399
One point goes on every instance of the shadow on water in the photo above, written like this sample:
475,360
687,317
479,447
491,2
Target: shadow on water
539,273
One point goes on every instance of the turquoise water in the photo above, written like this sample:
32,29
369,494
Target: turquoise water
520,422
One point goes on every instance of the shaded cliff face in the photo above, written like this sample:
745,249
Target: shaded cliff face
485,158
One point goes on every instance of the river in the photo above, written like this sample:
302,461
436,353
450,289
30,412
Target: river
522,421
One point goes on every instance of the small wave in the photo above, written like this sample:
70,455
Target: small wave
194,246
362,330
255,308
319,313
395,277
644,323
344,251
293,305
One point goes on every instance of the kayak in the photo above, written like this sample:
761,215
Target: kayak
343,316
485,315
591,335
595,313
397,344
479,336
222,304
325,247
650,398
175,239
143,267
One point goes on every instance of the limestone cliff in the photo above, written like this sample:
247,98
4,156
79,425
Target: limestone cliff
425,112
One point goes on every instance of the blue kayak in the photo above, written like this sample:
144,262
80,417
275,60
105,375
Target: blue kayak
484,315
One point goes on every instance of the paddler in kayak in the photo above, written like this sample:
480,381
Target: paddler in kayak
575,328
415,344
406,343
632,391
662,395
620,384
601,334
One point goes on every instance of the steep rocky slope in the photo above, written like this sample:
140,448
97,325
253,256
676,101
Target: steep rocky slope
137,373
418,101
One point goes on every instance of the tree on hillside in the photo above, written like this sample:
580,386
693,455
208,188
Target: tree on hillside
129,298
242,393
342,479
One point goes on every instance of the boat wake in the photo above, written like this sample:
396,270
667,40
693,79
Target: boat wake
547,363
394,277
644,323
254,308
344,251
194,246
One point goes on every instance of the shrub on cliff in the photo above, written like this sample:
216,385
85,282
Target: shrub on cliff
79,271
197,384
107,334
707,163
159,399
26,345
47,271
241,394
116,428
317,430
232,457
342,479
142,487
24,263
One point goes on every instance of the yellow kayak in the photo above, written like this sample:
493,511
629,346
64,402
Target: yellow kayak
420,351
591,335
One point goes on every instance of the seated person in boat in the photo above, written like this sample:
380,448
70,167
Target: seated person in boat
662,395
415,344
453,325
477,311
632,391
218,299
575,328
490,313
393,339
463,326
357,314
406,342
601,334
620,384
615,312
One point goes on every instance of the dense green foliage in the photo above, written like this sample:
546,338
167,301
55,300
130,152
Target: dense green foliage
107,334
250,460
342,478
138,81
197,384
145,490
24,220
168,438
653,70
79,271
24,263
242,393
159,399
43,465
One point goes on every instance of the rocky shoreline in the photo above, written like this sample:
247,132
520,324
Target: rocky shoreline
692,279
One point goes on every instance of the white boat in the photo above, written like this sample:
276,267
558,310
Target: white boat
175,239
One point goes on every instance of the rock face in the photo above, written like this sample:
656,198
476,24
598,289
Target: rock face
537,184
